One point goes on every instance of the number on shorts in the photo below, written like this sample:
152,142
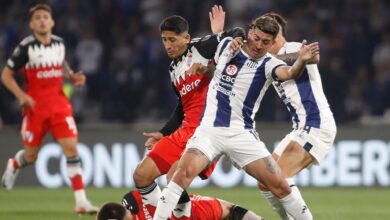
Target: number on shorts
71,124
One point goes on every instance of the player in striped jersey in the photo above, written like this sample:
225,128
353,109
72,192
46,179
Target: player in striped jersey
314,128
191,92
227,126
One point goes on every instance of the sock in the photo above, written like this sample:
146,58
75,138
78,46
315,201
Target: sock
296,207
74,171
150,194
295,189
183,207
19,161
276,205
168,200
251,216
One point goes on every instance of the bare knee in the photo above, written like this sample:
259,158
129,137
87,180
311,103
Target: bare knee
262,187
30,157
144,176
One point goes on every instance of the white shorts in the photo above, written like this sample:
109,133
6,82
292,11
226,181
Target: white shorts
240,146
316,141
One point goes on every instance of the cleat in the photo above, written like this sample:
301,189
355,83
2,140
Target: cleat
9,176
85,208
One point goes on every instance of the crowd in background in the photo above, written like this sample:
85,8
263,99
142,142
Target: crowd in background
117,44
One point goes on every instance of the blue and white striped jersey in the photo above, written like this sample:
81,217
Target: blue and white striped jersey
237,88
304,97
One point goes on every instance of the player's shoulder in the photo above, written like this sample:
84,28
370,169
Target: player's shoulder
292,47
27,40
57,38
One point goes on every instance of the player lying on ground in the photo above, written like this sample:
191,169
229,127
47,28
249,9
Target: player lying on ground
193,207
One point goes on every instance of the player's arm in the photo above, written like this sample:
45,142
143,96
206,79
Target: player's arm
176,118
8,79
291,57
293,72
231,211
18,59
78,78
170,126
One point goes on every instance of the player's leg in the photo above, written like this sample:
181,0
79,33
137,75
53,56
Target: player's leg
64,130
32,131
75,172
190,165
231,211
158,162
268,173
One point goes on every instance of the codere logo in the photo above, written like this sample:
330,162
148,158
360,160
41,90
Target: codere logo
49,74
189,87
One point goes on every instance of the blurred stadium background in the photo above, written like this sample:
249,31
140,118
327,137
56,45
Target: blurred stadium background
117,44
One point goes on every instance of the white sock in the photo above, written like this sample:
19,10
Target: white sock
168,200
80,196
150,194
276,205
295,189
296,207
249,215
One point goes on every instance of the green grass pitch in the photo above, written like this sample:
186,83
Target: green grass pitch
325,203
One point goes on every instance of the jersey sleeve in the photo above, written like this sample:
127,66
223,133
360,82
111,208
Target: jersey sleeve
293,47
176,118
18,58
205,48
271,66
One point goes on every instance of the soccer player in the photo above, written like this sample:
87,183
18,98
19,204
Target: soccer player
314,128
227,125
191,92
193,207
40,57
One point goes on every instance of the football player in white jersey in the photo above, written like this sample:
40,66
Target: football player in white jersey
314,128
227,126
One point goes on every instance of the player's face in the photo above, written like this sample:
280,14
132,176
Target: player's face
259,43
175,44
128,215
41,22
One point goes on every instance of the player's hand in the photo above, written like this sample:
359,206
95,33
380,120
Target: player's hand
78,79
217,19
153,138
236,44
26,101
308,52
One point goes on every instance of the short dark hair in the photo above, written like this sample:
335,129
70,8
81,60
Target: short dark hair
281,21
266,24
37,7
111,210
174,23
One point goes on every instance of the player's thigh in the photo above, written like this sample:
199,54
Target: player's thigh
69,146
166,152
33,130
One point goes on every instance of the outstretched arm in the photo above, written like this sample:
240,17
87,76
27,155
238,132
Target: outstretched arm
305,54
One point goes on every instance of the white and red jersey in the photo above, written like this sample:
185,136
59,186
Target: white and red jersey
197,208
190,89
41,66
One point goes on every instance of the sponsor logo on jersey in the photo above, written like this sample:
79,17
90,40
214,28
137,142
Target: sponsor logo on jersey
49,74
189,87
231,70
